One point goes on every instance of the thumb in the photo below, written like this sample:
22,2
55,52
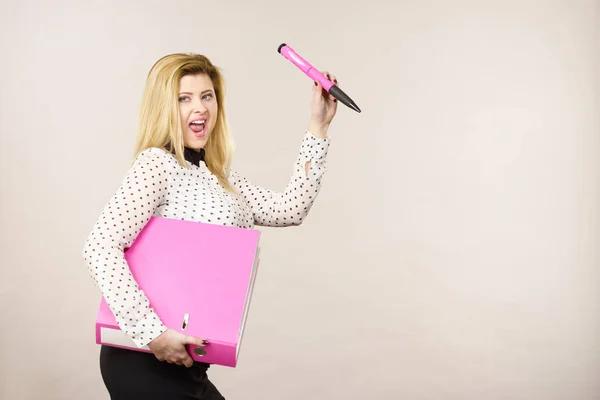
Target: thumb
194,341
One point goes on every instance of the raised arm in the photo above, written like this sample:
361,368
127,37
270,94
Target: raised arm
126,213
290,207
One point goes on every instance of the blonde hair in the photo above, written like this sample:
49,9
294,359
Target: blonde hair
159,122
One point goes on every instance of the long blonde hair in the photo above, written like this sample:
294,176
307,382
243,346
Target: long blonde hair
159,122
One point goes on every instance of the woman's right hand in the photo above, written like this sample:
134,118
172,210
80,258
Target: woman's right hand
170,345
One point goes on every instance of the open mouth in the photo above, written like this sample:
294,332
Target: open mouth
198,127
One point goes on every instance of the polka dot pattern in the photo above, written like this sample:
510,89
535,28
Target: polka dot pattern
157,185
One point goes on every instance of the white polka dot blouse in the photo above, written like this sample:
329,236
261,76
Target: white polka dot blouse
156,184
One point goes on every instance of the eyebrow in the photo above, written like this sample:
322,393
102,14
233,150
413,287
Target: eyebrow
205,91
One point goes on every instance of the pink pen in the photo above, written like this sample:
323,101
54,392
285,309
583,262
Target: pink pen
313,73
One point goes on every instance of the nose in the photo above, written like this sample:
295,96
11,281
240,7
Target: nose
198,107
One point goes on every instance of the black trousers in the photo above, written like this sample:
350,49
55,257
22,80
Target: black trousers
134,375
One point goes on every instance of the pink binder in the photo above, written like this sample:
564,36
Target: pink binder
199,279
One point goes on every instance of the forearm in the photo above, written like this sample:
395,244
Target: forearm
290,207
110,271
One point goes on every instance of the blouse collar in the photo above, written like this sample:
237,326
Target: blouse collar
194,156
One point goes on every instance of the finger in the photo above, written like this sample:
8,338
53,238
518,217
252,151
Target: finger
182,357
324,93
335,82
333,79
327,75
177,360
195,341
185,359
330,76
188,362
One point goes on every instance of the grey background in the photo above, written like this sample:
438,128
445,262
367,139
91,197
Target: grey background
452,253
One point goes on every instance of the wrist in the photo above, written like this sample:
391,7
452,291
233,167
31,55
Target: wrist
318,130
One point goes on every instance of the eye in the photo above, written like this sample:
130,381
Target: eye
207,96
184,98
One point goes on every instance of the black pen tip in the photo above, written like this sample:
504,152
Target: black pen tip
280,47
339,94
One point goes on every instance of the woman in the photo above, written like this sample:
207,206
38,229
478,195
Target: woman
182,170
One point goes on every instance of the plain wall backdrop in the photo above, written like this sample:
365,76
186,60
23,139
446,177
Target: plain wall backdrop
452,253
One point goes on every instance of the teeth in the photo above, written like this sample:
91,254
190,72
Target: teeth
198,122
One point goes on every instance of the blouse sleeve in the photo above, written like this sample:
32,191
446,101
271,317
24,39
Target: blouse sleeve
290,207
124,216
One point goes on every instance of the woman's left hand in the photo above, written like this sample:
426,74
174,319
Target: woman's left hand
324,107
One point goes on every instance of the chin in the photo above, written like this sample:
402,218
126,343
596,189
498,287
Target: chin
196,142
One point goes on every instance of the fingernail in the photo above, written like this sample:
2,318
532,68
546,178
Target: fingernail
315,83
205,342
335,100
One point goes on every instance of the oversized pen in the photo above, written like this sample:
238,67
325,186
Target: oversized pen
312,72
